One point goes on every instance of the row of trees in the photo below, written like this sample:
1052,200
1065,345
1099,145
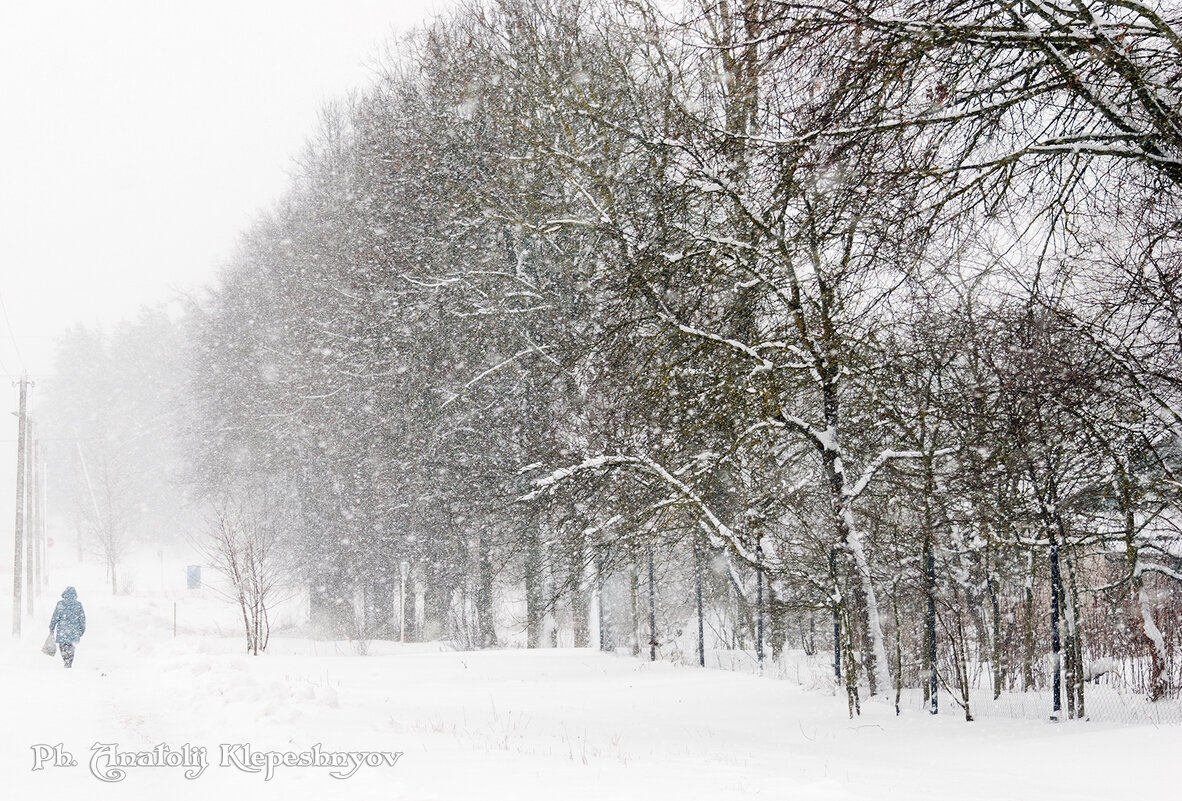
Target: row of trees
873,302
108,416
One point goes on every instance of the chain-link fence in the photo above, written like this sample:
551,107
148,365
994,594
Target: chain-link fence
993,658
1110,695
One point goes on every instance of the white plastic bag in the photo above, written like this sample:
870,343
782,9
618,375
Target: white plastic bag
50,647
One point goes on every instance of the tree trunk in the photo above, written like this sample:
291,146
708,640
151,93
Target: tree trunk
865,598
580,602
995,619
932,685
898,655
1139,596
634,585
1056,649
777,613
535,612
1028,627
1075,686
485,620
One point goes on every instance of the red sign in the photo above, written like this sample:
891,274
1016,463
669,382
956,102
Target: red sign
49,541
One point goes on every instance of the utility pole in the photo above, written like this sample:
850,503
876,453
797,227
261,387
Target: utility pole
20,510
39,509
31,525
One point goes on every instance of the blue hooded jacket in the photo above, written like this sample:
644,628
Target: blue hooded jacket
68,618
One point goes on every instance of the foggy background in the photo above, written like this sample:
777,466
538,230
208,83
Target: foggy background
139,139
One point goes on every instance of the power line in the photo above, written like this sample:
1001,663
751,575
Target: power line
4,366
8,323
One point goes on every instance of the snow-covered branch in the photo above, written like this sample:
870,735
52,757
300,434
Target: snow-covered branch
859,486
720,534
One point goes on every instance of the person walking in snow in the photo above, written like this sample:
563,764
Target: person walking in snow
69,619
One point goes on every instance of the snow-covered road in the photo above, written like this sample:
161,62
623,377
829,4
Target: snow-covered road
567,724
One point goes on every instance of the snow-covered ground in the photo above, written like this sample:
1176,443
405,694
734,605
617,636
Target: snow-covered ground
518,724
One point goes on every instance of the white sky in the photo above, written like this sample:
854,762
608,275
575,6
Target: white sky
138,137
